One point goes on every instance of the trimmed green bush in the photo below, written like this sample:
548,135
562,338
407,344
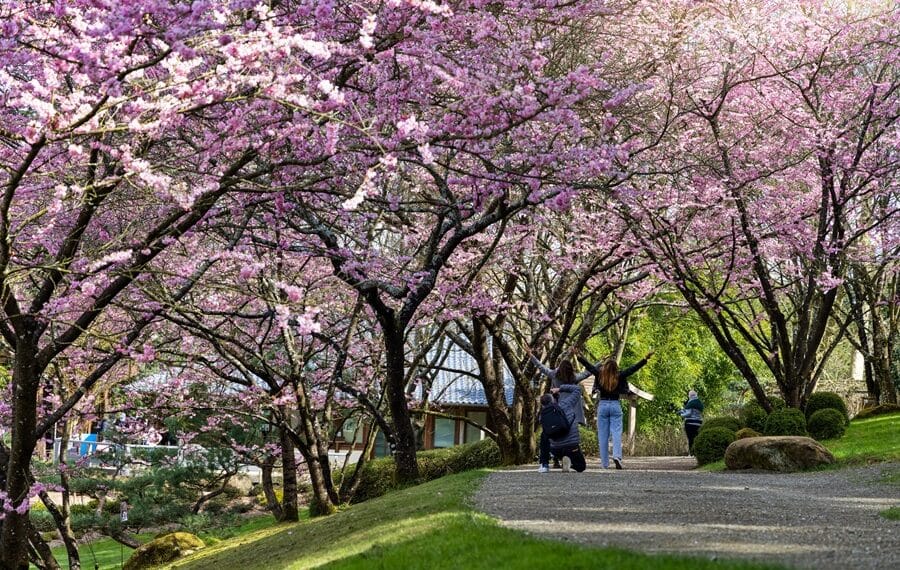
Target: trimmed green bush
787,421
878,410
588,441
711,444
753,416
746,432
726,422
777,402
825,400
378,475
827,423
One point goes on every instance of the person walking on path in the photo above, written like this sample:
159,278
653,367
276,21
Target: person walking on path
612,384
563,374
692,413
568,445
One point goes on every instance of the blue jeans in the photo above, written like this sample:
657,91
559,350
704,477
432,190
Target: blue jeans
609,422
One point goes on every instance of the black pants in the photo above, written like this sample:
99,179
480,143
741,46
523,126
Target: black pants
544,454
573,453
691,430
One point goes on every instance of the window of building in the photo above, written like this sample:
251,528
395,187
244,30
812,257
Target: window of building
473,433
443,432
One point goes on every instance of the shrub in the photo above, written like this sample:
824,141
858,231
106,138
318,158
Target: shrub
777,402
727,422
377,477
826,400
878,410
827,423
753,416
588,441
787,421
711,444
746,432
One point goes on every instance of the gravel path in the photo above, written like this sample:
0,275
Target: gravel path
657,505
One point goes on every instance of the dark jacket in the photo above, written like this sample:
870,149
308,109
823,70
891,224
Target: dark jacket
554,381
622,387
692,412
570,402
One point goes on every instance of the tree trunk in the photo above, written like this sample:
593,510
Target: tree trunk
405,450
290,510
495,394
41,549
269,490
14,540
63,526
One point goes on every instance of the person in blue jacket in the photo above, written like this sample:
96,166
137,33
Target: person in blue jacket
692,413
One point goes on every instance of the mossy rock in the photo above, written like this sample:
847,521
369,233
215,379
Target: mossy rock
746,432
164,549
877,411
785,454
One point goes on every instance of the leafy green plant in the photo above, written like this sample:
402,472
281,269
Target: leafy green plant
826,400
786,421
753,416
746,432
726,422
711,444
827,423
378,475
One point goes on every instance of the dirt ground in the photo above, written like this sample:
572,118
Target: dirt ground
821,520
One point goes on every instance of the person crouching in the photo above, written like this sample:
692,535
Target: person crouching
568,444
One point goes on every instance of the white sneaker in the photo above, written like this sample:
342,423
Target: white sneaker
544,469
567,464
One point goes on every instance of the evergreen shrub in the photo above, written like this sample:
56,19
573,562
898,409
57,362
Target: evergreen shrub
377,477
786,421
711,444
746,432
726,422
827,423
753,416
825,400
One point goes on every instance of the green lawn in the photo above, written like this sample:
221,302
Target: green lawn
110,554
428,526
868,441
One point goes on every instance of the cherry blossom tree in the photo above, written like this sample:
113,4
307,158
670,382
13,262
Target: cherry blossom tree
125,128
496,132
756,151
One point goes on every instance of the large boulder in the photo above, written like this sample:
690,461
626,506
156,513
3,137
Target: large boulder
777,453
163,549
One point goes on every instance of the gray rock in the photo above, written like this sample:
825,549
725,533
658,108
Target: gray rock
779,453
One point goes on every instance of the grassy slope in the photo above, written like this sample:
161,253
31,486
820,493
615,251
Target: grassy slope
428,526
867,441
110,554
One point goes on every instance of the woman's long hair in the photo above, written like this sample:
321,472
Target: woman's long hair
609,375
565,373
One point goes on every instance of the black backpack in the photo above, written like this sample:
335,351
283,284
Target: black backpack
554,421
